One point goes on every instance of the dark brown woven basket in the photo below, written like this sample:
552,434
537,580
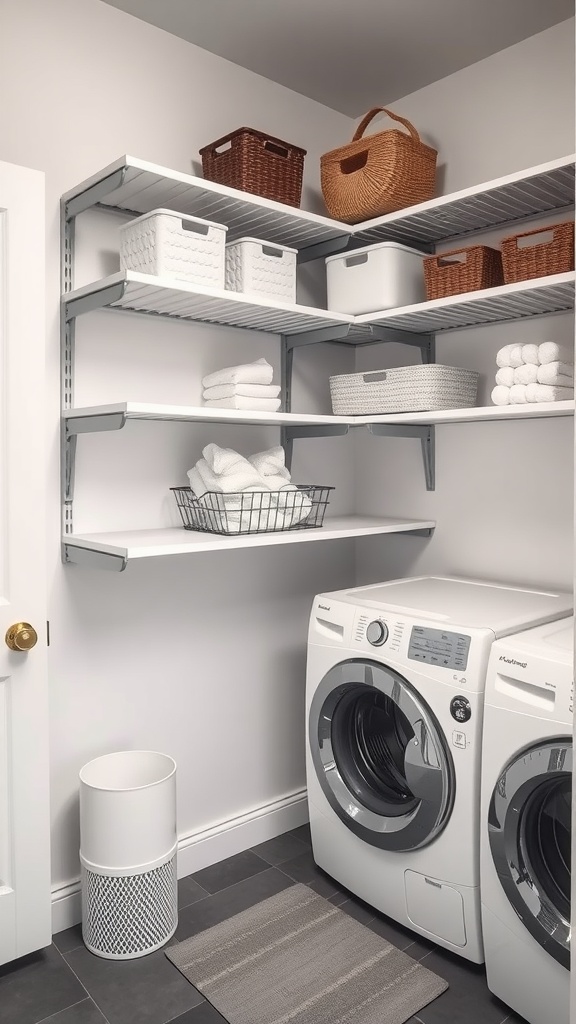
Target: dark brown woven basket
382,173
462,270
257,163
553,253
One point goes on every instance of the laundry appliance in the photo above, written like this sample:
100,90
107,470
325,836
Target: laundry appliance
525,824
395,688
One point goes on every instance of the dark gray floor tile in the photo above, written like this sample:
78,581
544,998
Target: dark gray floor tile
302,833
148,990
189,892
280,849
401,937
69,939
304,869
203,1014
325,886
514,1018
228,902
358,909
228,872
338,898
36,986
467,999
85,1012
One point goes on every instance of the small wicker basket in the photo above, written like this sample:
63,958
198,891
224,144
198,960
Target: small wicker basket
258,163
421,388
523,259
462,270
379,174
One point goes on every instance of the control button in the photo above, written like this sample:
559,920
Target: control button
377,633
460,709
459,739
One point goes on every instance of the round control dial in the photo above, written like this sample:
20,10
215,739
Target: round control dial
377,633
460,709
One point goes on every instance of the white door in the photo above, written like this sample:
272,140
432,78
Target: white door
24,792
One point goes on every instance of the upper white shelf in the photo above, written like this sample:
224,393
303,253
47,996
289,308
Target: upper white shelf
88,418
478,414
137,186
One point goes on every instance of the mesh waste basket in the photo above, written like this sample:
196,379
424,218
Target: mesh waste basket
128,853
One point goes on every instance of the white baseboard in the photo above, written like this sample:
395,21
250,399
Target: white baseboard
200,849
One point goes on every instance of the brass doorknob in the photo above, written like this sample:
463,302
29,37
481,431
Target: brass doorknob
21,637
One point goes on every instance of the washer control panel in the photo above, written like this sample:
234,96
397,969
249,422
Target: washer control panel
377,633
460,709
439,647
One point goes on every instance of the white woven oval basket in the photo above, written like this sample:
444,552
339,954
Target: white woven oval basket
421,388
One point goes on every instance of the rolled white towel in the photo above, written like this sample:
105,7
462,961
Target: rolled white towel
505,376
516,355
271,463
243,390
554,352
518,394
548,393
503,356
530,354
501,395
526,374
224,470
294,505
258,372
556,373
253,404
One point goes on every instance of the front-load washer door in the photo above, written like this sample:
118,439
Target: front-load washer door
380,756
529,826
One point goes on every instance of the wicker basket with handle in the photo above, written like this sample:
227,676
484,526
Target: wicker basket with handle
258,163
378,174
462,270
539,252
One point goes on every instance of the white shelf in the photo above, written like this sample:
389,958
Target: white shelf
137,186
122,411
538,297
144,293
480,414
120,548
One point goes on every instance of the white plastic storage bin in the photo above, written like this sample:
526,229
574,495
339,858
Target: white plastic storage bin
376,277
421,388
128,853
169,244
261,268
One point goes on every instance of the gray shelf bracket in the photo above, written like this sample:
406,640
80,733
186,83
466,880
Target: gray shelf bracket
335,333
96,300
290,434
95,424
92,196
426,435
425,342
320,250
89,558
427,531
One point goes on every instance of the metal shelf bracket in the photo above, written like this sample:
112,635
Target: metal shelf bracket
425,342
427,438
89,558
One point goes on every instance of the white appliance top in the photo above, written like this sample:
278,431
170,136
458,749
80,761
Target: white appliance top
472,603
553,640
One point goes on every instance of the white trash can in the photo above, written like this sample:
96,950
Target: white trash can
128,853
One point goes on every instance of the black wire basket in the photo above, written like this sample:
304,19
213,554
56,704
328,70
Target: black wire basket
253,511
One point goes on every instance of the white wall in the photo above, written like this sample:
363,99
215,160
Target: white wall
200,657
503,498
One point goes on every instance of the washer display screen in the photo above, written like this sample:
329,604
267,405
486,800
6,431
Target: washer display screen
438,647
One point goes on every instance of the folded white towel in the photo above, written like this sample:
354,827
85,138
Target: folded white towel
255,404
553,352
244,390
518,394
503,356
505,376
530,354
516,355
224,470
526,374
548,393
294,505
501,395
556,373
271,463
258,372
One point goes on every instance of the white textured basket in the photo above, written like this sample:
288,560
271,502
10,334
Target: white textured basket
261,268
128,853
421,388
381,276
169,244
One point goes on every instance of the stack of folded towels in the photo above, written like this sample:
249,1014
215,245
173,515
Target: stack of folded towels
248,386
534,373
243,495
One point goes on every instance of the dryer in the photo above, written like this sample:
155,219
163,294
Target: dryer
526,821
395,687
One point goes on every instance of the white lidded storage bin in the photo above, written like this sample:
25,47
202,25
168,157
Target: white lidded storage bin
421,388
376,277
128,853
169,244
261,268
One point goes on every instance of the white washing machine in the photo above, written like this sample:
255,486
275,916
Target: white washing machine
526,821
395,687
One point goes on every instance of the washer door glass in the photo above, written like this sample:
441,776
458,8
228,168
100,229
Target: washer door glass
529,827
380,756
